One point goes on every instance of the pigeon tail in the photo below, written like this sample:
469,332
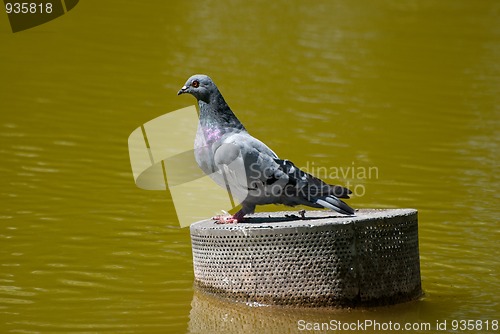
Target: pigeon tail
335,204
312,191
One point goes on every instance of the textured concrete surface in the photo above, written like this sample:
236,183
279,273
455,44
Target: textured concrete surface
320,259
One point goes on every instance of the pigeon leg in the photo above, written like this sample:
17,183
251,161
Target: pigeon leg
223,219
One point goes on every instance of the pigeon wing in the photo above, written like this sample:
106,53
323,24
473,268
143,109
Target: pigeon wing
245,164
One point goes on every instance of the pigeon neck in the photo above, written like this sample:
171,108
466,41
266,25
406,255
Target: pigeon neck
217,113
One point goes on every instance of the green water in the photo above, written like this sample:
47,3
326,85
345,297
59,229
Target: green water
410,88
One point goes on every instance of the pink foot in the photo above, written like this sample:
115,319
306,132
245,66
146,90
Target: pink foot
227,219
220,219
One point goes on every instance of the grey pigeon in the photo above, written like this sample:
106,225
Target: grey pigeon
246,166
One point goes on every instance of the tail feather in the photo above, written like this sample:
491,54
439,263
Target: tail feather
312,191
333,203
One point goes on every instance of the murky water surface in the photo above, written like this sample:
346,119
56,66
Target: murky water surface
409,88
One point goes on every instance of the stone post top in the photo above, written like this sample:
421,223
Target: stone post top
295,219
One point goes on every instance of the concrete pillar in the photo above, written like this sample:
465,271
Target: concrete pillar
321,260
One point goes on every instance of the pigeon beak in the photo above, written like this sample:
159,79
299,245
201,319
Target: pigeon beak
182,90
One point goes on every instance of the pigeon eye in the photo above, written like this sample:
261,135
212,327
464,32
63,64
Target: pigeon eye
195,84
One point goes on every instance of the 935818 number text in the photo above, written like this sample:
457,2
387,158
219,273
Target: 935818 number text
28,8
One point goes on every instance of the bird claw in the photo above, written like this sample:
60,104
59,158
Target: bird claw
220,219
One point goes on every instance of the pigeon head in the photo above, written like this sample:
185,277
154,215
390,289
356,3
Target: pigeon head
200,86
214,111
